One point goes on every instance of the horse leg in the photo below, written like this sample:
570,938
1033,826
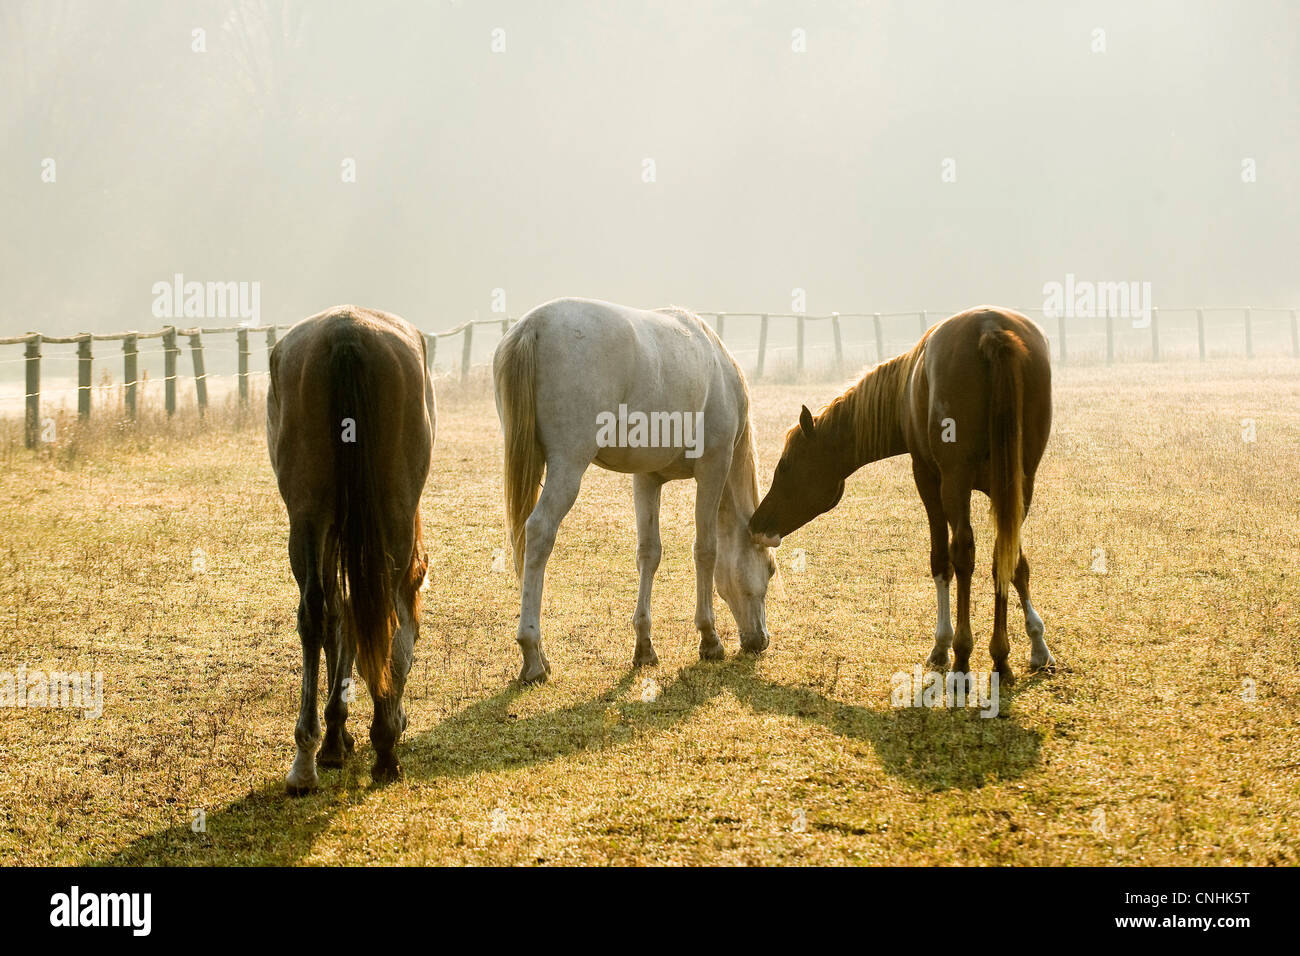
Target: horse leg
1040,657
311,622
709,481
390,716
645,492
999,645
927,483
563,481
961,550
389,720
338,679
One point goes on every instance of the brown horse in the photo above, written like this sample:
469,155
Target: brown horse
972,404
349,426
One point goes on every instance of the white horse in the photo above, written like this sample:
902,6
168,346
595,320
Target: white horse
653,394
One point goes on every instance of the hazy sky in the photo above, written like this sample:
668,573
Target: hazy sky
524,168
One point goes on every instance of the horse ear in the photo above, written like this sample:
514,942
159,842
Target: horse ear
806,421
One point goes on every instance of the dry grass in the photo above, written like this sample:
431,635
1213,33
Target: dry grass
1141,749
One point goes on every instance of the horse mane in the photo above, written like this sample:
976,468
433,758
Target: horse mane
680,311
744,468
743,478
864,420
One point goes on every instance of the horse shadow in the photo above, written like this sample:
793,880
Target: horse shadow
933,749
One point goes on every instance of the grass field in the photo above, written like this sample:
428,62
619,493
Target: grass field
1166,736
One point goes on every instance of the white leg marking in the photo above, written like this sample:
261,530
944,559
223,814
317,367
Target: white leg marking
1040,656
302,775
943,632
943,618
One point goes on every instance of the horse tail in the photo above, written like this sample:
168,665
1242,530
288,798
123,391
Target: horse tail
1006,353
358,559
514,371
416,571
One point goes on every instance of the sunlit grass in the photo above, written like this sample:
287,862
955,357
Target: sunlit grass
1141,749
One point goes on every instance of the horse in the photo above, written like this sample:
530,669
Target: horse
350,419
566,376
971,403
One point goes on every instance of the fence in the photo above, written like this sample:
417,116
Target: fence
171,349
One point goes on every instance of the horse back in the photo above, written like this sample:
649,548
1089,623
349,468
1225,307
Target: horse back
594,356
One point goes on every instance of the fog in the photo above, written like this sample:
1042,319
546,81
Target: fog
717,155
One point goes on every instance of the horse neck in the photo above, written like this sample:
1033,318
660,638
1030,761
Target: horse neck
865,423
740,493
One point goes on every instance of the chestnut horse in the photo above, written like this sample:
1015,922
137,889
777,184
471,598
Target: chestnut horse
972,404
349,427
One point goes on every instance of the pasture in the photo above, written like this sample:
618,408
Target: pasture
155,554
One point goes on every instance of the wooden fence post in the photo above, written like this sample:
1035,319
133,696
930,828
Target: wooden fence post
721,325
762,344
1110,339
131,372
33,353
200,375
242,338
1060,333
1250,344
170,351
880,338
1295,336
466,348
924,324
799,331
1155,334
1200,332
430,350
839,343
83,377
270,344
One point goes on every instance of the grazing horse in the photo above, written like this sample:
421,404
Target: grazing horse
654,394
349,426
972,404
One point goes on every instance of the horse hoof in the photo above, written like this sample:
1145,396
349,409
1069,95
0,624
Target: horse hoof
336,750
386,770
754,645
330,757
299,785
1045,665
1006,677
937,661
647,658
536,674
712,650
